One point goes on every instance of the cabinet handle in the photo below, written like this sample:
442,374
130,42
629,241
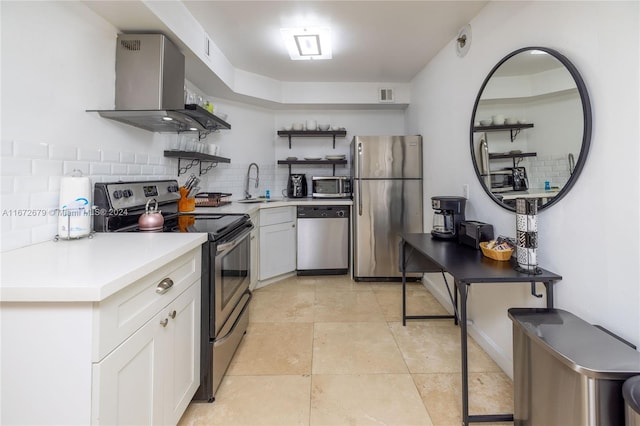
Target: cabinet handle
164,322
172,314
164,286
293,226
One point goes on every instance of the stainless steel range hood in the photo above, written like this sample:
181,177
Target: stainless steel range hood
150,88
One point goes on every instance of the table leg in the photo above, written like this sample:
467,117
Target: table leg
462,288
403,267
549,287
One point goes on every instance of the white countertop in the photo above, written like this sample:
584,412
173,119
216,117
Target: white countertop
88,269
248,208
531,193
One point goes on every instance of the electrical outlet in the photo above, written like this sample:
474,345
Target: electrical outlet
465,191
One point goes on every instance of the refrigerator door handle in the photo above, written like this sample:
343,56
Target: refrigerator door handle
358,167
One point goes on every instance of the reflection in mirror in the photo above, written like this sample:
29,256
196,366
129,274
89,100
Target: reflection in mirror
531,128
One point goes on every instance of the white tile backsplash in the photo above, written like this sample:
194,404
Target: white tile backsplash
11,166
47,167
30,149
63,152
31,173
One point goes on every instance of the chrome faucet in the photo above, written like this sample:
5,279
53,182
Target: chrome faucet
247,195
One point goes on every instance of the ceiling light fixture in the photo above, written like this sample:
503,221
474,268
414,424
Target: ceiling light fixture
307,43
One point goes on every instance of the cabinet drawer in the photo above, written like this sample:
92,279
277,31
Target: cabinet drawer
120,315
277,215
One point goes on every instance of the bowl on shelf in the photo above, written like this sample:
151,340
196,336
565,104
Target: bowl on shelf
323,127
335,128
485,122
297,126
510,120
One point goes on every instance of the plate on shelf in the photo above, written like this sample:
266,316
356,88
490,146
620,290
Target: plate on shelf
292,158
312,158
335,157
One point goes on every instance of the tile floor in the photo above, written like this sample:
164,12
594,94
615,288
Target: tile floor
330,351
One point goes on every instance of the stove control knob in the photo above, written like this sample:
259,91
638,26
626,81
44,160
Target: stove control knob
172,188
118,194
341,213
127,193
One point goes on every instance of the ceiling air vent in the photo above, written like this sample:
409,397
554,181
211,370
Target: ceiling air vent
130,44
385,95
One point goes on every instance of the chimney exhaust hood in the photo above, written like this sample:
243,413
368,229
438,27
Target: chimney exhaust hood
150,88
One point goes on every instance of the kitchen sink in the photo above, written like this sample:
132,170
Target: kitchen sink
256,200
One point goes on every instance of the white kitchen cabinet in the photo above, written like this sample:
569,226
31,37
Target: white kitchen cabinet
255,250
277,241
151,377
110,360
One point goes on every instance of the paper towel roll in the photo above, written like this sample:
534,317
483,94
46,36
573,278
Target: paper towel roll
74,209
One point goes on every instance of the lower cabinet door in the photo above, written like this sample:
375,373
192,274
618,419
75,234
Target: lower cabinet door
183,364
151,377
277,249
125,382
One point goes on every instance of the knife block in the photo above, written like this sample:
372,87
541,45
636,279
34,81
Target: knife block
186,204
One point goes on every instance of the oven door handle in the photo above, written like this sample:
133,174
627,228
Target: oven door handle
221,248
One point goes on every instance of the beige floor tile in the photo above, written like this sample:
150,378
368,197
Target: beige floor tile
355,348
419,301
283,305
291,283
375,399
436,349
325,350
274,348
333,283
489,393
254,401
345,306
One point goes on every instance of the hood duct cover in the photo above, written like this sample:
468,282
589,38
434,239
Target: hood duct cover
150,88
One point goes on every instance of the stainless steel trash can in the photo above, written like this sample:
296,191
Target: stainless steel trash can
631,394
567,371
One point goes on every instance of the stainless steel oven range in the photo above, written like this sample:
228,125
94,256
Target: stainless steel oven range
225,264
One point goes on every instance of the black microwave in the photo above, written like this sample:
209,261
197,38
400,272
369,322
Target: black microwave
331,187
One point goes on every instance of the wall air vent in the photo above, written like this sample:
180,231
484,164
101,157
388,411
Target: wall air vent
130,44
385,95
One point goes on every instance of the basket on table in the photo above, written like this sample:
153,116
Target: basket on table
501,255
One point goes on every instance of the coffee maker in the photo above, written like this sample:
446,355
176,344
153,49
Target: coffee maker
449,212
297,186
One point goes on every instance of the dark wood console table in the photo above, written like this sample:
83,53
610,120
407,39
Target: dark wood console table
422,253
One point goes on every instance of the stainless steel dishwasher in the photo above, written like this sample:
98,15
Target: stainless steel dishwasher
323,240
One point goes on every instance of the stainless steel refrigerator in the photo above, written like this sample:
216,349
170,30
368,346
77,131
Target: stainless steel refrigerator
387,188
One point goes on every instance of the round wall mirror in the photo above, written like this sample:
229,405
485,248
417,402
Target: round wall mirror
530,128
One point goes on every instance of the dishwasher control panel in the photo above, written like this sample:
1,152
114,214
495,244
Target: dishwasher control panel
318,212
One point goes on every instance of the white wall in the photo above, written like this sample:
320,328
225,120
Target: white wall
599,265
58,60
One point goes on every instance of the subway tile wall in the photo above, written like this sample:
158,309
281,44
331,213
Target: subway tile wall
30,182
547,168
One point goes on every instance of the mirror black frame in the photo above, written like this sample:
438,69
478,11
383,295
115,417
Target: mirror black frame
586,134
